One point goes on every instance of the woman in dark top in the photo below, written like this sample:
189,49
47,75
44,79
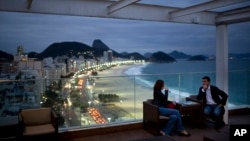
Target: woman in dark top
161,101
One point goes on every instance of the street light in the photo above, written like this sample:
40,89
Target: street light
89,103
109,119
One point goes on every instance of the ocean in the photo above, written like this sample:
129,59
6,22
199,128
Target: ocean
183,77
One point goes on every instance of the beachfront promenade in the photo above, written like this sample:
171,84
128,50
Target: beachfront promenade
114,81
131,95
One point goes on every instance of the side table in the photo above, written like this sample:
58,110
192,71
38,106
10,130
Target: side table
8,127
193,109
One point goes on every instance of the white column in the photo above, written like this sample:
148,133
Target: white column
222,62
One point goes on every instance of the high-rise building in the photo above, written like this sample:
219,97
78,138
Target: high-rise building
20,50
108,56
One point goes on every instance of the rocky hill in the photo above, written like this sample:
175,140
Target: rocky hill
98,47
98,44
197,58
134,55
5,57
161,57
179,55
66,48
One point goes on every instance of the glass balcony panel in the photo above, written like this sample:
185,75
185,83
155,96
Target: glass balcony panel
96,101
239,89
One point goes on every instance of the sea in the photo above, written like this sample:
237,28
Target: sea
184,77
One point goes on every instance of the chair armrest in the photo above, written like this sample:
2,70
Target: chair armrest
193,98
20,119
150,112
20,125
54,120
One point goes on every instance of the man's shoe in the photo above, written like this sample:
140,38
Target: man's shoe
184,133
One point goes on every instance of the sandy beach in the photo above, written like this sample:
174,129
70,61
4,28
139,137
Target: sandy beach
114,81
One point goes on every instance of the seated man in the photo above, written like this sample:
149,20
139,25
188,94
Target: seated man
214,101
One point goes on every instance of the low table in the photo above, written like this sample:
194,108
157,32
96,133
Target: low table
8,127
191,109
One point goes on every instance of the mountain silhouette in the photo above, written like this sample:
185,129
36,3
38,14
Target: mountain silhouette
5,57
179,55
161,57
148,54
98,44
72,48
99,47
197,58
134,56
66,48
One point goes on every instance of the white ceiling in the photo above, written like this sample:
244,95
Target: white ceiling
204,12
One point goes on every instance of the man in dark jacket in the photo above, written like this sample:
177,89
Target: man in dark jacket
214,101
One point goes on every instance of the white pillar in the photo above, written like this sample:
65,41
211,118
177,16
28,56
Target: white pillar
222,62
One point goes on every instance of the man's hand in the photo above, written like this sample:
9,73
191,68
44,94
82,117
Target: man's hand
204,87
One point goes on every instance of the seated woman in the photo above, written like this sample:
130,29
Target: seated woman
161,101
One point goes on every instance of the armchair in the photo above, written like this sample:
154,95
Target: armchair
38,123
152,121
205,118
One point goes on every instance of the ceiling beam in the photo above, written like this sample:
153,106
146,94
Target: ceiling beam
234,16
203,7
119,5
98,8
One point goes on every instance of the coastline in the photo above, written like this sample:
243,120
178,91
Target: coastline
131,95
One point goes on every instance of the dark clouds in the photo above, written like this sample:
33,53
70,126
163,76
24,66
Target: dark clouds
35,32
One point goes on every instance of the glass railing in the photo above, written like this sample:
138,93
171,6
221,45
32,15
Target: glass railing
95,100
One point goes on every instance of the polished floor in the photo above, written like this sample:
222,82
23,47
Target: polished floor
198,134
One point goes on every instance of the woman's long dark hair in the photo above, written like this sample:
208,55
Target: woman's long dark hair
158,85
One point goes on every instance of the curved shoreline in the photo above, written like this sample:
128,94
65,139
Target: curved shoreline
131,95
114,80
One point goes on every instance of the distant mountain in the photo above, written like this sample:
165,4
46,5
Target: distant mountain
124,53
5,57
66,48
76,49
134,56
179,55
98,44
33,55
161,57
148,54
99,47
197,58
